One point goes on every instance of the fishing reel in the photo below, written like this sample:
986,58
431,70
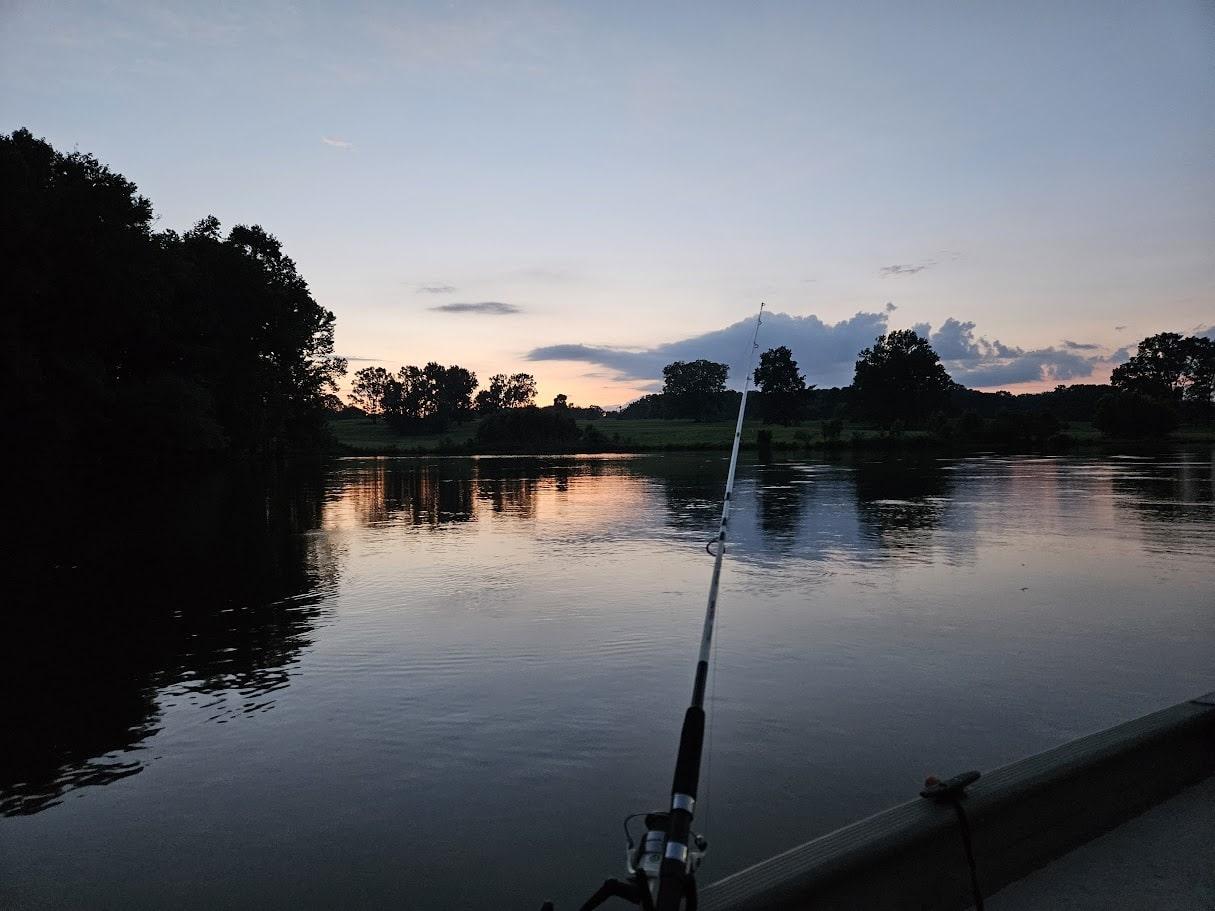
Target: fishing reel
643,862
645,856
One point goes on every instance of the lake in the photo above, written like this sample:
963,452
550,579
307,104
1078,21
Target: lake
442,683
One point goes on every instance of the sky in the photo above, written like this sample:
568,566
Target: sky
586,191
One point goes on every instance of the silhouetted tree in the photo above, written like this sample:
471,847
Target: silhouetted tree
426,398
692,389
516,391
127,340
371,384
1172,367
901,377
561,400
648,407
453,389
784,388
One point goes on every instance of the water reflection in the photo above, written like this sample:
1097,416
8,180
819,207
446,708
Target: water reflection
691,490
781,491
901,499
129,593
391,638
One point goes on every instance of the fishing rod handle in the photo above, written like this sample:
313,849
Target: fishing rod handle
673,872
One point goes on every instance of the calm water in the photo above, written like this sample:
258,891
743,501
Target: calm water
442,683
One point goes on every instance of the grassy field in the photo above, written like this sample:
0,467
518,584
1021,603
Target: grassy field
669,434
370,437
365,435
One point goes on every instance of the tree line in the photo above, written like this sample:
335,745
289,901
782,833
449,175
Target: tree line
127,340
432,398
900,381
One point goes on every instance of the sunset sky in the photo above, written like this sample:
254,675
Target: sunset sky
586,191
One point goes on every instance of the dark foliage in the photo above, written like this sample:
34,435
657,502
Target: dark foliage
122,340
416,399
1014,429
1068,403
561,402
694,389
1132,415
648,407
517,391
900,378
782,385
1171,367
528,429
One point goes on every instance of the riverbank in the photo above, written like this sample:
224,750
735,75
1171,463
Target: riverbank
367,436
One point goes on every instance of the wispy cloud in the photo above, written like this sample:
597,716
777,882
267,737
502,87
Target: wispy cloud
1119,328
891,306
496,308
1080,346
436,289
903,269
337,143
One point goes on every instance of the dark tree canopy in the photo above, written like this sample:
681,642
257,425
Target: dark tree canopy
369,389
782,385
693,389
901,377
516,391
122,339
1171,367
428,398
1130,415
529,429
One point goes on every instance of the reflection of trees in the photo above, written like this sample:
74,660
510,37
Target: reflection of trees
781,499
424,493
692,488
897,499
142,592
1167,496
441,491
510,485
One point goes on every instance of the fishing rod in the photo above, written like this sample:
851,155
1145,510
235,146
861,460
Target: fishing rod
662,865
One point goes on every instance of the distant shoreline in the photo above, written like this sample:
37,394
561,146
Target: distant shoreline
368,437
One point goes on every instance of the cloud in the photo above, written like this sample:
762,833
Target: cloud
904,269
1205,332
1080,346
436,289
825,352
1121,356
337,143
1119,328
496,308
890,307
978,362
